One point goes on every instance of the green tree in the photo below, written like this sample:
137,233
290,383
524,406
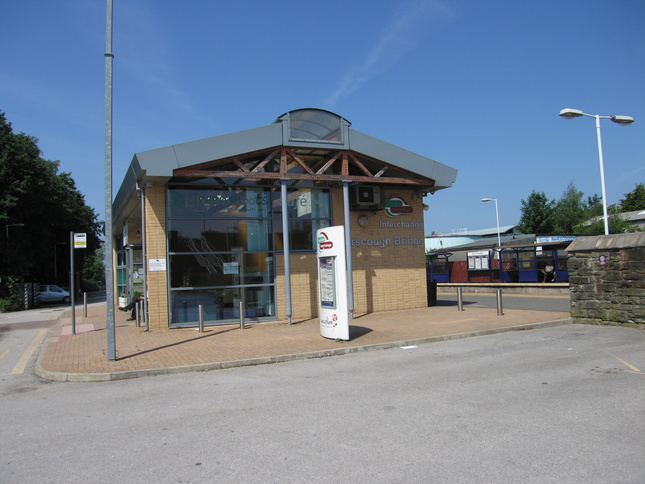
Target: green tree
570,211
634,200
616,226
537,214
39,207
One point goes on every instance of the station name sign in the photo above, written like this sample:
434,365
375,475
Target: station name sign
389,241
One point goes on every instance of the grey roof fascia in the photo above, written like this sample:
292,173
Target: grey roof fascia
227,145
126,195
443,175
163,161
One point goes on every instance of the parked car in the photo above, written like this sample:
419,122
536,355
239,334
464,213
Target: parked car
53,293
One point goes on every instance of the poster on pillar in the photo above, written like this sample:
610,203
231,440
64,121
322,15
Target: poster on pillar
332,277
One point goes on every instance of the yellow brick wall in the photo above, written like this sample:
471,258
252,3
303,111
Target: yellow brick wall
386,278
155,213
392,277
304,287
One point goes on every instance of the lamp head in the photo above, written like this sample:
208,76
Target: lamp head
488,199
624,120
569,113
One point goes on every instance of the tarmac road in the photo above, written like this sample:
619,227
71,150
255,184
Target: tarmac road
22,333
550,405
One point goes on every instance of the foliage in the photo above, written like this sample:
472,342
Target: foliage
39,207
93,274
634,200
569,211
536,214
9,301
616,226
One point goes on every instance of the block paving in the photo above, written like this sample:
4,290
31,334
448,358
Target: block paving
84,356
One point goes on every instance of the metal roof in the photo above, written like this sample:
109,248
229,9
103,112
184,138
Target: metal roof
160,163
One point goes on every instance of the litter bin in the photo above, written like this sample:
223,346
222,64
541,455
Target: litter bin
432,292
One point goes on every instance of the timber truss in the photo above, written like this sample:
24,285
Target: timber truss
297,164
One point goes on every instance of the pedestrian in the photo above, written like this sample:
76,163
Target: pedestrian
131,307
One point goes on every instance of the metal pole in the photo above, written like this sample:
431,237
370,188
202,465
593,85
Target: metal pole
500,308
602,177
200,312
348,251
241,315
285,241
72,290
460,299
85,305
109,262
137,314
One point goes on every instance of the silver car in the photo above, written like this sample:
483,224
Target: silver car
53,293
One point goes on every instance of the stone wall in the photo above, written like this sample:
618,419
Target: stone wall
607,278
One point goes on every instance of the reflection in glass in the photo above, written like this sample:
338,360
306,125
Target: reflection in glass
221,242
222,235
207,202
203,270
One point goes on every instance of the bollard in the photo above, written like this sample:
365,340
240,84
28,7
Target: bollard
85,305
136,314
460,299
241,315
500,308
200,313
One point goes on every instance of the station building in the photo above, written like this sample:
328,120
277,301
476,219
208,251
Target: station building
229,222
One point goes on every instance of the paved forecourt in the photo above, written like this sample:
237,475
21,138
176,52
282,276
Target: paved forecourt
83,356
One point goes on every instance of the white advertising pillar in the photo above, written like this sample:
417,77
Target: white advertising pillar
332,276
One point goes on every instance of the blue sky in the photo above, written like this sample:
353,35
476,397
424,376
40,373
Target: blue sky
473,84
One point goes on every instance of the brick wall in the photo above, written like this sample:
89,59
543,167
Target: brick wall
389,275
607,279
155,213
392,277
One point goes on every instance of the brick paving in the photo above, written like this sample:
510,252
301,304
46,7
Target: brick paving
83,356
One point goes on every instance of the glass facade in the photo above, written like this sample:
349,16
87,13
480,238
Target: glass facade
222,242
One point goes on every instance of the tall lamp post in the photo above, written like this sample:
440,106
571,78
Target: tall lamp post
569,113
499,238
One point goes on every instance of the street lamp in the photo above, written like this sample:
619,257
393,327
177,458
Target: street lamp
499,239
569,113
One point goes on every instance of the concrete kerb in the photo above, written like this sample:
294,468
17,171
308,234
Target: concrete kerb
124,375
